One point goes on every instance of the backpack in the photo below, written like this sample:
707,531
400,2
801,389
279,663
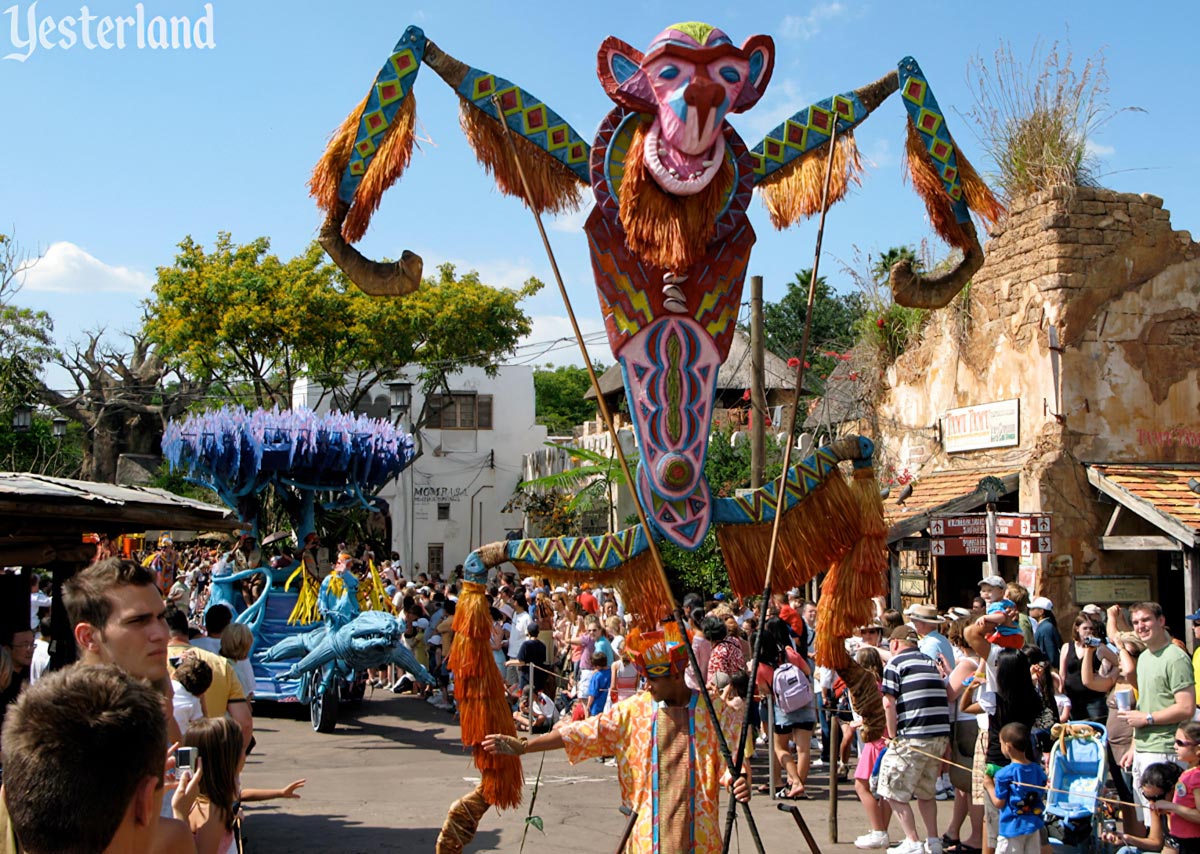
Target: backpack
792,689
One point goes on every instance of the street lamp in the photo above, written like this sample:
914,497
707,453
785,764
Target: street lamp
401,394
58,427
22,418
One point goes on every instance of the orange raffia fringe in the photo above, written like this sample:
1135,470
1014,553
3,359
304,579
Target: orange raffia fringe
554,187
327,174
813,536
663,230
979,195
927,181
482,703
847,592
868,702
637,580
389,164
794,191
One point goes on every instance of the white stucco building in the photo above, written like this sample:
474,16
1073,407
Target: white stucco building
450,500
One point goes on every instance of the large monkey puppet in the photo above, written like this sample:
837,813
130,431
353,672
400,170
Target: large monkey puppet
670,242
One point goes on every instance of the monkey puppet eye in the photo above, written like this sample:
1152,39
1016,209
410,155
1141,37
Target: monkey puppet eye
730,74
668,72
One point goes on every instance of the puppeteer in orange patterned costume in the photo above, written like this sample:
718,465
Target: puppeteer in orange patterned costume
665,744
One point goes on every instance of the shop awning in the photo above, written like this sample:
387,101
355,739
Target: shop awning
939,494
42,518
1158,494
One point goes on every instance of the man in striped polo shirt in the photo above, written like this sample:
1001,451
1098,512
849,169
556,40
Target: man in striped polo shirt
918,724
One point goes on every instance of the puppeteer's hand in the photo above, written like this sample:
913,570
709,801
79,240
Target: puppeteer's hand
504,745
741,789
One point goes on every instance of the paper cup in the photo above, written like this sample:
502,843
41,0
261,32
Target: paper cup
1123,699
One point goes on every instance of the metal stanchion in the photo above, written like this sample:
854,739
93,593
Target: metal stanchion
770,728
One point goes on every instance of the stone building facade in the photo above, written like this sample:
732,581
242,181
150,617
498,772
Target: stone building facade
1087,314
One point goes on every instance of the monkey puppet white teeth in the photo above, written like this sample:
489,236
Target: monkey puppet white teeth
669,178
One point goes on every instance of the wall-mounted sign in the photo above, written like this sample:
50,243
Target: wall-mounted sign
423,494
1112,589
988,425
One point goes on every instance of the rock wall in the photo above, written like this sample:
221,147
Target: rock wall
1122,291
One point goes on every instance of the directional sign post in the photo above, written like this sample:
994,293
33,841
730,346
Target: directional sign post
1007,525
1016,535
977,546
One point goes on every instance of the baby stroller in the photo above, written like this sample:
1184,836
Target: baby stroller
1077,771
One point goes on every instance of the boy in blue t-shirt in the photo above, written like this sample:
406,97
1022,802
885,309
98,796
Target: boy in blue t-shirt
1018,791
601,681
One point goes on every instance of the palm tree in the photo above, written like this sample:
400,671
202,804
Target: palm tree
882,268
591,480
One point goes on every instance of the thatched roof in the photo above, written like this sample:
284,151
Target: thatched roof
842,400
734,374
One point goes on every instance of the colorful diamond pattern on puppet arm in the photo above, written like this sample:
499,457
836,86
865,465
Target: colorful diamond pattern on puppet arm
529,117
759,505
391,87
930,122
805,131
608,551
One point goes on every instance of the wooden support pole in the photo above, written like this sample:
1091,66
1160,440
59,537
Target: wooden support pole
835,753
758,390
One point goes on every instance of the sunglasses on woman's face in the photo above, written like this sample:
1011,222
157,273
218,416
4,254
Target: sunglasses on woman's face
1181,743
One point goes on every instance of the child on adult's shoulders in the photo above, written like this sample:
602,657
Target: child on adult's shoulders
1001,616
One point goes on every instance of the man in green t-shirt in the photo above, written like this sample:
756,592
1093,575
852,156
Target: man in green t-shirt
1166,695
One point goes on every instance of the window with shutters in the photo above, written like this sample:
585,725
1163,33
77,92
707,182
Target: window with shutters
460,411
443,511
435,554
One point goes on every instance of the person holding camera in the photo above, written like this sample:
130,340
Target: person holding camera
1166,693
1086,704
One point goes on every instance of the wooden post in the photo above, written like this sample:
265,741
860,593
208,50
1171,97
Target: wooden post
758,391
1191,566
993,561
835,752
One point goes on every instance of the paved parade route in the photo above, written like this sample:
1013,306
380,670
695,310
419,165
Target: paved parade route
384,779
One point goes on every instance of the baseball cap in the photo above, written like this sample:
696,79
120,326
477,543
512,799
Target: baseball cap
1042,602
993,581
904,633
1195,616
1092,608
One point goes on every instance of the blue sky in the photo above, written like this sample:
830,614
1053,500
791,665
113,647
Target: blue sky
112,157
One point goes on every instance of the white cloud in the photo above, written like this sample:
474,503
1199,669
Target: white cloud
1095,149
784,98
807,26
67,268
498,273
880,153
552,341
571,223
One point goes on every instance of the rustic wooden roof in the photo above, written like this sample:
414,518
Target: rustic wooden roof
1159,494
939,494
44,518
